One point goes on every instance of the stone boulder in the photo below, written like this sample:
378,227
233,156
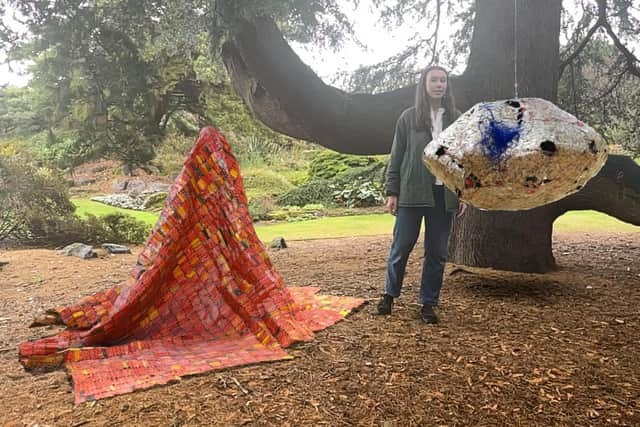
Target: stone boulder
79,250
116,249
136,186
278,243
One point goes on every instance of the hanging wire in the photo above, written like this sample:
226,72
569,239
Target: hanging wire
515,47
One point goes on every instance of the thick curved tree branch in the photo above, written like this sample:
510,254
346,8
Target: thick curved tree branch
289,97
615,190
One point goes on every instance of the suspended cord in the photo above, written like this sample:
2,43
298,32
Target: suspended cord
515,47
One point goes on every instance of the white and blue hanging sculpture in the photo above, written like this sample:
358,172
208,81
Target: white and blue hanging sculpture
515,154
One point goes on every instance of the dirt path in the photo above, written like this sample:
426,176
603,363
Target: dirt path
512,349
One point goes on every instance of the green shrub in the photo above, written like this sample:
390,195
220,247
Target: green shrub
116,228
62,231
61,149
373,173
315,191
360,194
172,153
296,213
36,211
49,231
260,206
329,164
11,146
295,176
312,207
184,123
155,201
325,191
256,150
264,181
32,200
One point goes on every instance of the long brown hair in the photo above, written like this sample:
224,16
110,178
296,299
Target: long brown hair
423,108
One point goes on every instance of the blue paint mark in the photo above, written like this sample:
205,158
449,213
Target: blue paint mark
497,137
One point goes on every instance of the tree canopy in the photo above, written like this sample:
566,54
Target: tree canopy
114,72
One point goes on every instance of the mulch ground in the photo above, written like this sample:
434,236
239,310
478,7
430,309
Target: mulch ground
511,349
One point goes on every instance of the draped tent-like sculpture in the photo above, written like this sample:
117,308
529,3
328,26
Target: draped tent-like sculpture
202,296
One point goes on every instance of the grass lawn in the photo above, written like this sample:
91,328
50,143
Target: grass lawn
85,206
366,225
592,221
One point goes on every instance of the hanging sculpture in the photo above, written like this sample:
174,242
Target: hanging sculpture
515,154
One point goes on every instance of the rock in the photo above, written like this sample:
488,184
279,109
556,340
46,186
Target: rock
79,250
102,252
119,185
278,243
136,186
125,201
515,154
158,187
3,263
116,249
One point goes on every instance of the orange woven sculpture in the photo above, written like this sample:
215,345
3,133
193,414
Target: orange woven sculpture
202,296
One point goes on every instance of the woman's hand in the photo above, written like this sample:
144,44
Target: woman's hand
392,204
461,209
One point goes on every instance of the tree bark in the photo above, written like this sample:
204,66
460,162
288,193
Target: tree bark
614,191
521,241
517,241
284,93
490,71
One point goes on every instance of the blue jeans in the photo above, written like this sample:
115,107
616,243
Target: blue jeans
405,234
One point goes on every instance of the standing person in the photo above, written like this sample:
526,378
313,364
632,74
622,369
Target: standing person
414,193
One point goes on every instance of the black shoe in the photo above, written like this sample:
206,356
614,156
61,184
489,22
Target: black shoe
428,314
385,304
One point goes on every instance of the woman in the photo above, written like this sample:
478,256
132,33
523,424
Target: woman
414,193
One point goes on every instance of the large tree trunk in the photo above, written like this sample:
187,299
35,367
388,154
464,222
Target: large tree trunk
521,241
288,96
490,70
518,241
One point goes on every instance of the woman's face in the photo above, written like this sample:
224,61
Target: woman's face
436,82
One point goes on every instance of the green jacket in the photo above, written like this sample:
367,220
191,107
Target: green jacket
407,176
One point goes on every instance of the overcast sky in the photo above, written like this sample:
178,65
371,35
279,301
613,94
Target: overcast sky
16,74
380,42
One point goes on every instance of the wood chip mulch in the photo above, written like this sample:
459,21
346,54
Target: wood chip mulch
511,349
